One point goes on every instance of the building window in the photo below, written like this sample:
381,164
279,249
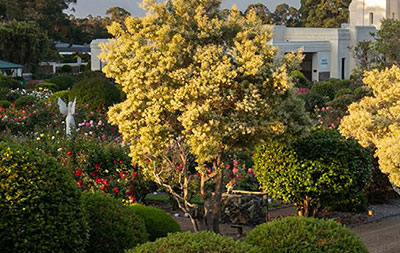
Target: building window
371,18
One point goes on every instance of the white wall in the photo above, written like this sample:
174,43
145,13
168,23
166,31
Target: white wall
96,64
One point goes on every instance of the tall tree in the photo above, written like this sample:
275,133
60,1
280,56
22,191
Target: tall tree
118,14
84,30
200,86
48,14
324,13
23,43
261,11
286,15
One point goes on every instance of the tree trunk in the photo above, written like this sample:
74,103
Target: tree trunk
216,209
306,208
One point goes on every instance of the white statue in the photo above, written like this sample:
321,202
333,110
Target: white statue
69,112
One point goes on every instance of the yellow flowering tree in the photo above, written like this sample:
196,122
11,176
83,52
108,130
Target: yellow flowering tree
200,84
375,120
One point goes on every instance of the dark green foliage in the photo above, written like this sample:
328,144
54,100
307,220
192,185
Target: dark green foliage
315,172
312,99
325,89
64,95
4,104
113,227
40,207
299,80
6,82
89,75
96,92
158,223
341,103
48,86
341,92
24,101
297,234
4,93
362,91
66,69
63,82
202,242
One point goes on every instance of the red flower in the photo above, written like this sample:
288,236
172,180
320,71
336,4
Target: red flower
80,183
97,166
103,189
231,176
122,174
148,161
99,180
69,153
134,174
115,190
198,174
135,166
130,192
133,184
132,198
209,171
93,174
78,173
121,162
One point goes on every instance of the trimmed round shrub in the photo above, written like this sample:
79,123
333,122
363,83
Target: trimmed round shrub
24,101
158,223
6,82
48,86
315,172
63,82
299,80
89,75
324,89
342,103
64,95
66,69
113,226
342,92
298,234
362,91
201,242
40,207
5,103
311,100
96,92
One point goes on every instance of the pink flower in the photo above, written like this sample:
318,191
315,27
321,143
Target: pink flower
250,170
235,163
235,170
80,183
115,190
69,153
103,137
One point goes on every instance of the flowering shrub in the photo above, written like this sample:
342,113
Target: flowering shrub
40,208
296,234
241,175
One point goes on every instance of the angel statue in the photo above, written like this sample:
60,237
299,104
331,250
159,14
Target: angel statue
69,112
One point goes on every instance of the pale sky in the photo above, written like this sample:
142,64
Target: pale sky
99,7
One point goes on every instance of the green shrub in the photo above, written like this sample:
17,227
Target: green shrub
89,75
66,69
341,92
48,86
4,93
312,99
24,101
299,80
64,95
297,234
325,89
201,242
6,82
5,103
113,227
63,82
40,207
315,172
158,223
362,91
96,92
342,103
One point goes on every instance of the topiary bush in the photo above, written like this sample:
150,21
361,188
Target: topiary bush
96,92
298,234
66,69
64,95
342,92
63,82
113,226
158,223
6,82
201,242
325,89
48,86
299,80
4,104
40,207
24,101
316,172
312,100
362,91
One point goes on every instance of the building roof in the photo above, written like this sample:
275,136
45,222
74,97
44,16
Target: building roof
9,65
67,48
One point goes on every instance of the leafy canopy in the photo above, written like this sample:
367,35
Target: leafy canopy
191,72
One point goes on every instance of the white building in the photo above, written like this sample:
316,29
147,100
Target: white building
327,50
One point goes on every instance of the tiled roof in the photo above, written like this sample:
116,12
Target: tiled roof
9,65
